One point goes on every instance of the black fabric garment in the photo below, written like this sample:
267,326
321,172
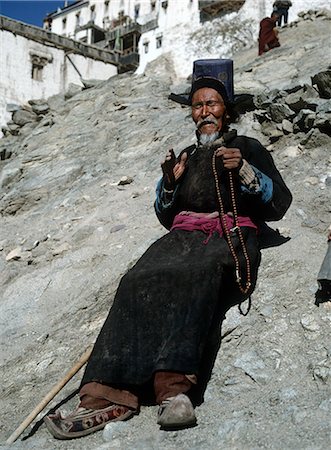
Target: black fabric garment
168,308
164,306
195,195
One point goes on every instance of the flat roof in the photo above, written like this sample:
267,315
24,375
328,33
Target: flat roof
78,4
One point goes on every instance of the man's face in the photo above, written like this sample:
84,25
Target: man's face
208,110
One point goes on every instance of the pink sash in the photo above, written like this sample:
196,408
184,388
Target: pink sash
207,223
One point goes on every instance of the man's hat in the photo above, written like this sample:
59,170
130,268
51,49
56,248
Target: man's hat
216,74
213,73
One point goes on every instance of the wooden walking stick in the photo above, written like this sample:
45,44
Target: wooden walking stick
12,438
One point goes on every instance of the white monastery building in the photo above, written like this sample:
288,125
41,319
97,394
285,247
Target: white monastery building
141,30
97,39
36,64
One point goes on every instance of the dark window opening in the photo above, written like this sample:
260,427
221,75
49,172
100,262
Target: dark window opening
146,45
37,72
159,42
92,11
97,36
128,44
136,11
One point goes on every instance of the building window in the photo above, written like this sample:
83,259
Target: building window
92,13
37,72
136,11
159,41
64,24
146,46
153,3
106,8
38,62
78,19
48,24
106,22
164,4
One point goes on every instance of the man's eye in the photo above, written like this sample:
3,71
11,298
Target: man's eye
197,105
209,103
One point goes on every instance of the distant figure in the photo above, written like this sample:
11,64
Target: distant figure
281,7
323,294
268,35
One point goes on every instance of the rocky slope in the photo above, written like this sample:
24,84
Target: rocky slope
76,204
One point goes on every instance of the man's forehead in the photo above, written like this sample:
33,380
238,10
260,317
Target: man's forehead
207,92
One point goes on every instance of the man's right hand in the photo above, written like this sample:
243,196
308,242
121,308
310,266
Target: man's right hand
173,170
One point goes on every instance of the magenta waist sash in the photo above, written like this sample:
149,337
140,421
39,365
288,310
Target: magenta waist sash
208,223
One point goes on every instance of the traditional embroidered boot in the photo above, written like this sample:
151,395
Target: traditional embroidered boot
84,421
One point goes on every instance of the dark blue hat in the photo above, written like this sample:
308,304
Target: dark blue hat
213,73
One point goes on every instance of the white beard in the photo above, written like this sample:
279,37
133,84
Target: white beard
207,138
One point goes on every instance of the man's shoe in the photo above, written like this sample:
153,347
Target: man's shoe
85,421
176,412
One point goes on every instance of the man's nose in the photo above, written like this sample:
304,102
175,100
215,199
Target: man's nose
205,110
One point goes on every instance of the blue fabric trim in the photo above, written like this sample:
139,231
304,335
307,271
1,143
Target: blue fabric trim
265,186
160,203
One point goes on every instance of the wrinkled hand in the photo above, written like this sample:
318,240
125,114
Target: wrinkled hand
231,157
171,169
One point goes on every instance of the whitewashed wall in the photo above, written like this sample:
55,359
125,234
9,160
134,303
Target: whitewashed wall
102,14
174,23
16,83
179,13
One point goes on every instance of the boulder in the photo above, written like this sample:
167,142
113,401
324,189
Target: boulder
305,98
304,121
323,122
287,126
42,108
315,139
279,111
323,83
23,116
11,107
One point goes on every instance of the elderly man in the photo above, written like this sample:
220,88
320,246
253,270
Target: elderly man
161,336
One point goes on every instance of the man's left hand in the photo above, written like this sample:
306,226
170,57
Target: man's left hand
231,157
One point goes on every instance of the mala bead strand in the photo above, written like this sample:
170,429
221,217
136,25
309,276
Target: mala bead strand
243,289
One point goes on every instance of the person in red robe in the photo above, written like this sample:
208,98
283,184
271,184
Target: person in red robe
268,35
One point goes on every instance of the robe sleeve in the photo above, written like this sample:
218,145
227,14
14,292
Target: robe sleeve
272,202
165,205
253,181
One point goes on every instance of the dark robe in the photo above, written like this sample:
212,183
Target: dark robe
267,35
168,308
